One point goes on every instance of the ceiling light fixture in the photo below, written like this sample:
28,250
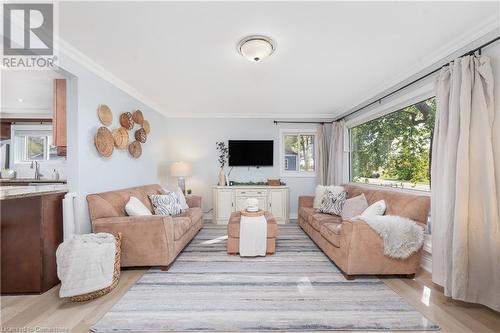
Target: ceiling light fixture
256,47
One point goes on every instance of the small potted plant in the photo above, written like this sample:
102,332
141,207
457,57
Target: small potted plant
223,154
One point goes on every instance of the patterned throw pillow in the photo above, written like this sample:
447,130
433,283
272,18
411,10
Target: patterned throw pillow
166,204
333,202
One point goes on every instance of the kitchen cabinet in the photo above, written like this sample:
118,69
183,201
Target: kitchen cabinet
59,116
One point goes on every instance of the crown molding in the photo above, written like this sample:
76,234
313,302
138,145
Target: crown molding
83,60
449,51
251,116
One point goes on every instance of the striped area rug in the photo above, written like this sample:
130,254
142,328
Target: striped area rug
297,289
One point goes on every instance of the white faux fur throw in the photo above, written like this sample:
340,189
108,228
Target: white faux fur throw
402,237
85,263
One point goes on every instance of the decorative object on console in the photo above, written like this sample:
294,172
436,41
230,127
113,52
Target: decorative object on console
126,120
140,135
135,149
104,142
223,154
273,182
138,117
120,137
181,170
105,115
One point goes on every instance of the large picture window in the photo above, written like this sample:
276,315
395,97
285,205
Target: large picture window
395,149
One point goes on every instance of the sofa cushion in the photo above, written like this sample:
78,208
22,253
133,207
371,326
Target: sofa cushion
331,232
354,207
181,225
305,212
194,214
318,219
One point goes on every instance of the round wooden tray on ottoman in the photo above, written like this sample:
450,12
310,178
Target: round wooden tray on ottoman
116,277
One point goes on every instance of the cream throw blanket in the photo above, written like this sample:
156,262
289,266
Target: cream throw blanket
402,237
253,236
85,263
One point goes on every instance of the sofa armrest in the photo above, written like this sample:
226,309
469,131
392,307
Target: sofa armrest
146,240
306,201
193,201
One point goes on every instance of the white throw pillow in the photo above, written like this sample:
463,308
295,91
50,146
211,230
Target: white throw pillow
135,207
166,204
321,191
375,209
354,207
182,199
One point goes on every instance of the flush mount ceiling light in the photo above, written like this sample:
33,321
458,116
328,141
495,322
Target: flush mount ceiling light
256,48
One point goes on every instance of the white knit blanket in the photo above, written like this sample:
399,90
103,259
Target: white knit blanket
85,263
402,237
253,236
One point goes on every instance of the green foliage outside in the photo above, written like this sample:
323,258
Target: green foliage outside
395,146
301,145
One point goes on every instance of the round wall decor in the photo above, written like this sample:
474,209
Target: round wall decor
135,149
126,120
140,135
105,115
120,136
138,117
146,126
104,142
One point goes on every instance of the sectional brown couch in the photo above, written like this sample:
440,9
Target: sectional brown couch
355,247
146,240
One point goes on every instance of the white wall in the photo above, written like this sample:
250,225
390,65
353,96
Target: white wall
87,171
193,140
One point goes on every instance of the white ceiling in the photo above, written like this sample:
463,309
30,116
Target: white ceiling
330,56
35,88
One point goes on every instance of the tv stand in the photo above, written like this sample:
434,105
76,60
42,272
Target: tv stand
228,199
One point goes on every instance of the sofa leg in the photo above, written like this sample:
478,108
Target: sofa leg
348,277
164,268
410,276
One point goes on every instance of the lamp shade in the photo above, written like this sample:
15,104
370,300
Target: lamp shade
180,169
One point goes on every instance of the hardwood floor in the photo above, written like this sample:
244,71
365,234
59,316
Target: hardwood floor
47,311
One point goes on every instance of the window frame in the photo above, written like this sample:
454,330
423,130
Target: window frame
297,173
420,94
18,152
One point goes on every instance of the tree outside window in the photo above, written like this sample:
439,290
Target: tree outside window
395,149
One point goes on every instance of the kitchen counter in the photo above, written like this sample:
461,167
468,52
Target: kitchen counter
31,180
14,192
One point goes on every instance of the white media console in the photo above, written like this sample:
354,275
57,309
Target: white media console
228,199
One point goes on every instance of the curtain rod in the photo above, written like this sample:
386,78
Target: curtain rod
379,100
276,122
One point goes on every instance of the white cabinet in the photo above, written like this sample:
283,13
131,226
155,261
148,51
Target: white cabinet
228,199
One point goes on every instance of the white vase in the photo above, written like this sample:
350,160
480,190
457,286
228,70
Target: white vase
222,177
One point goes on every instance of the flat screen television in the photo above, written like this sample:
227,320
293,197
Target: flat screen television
250,152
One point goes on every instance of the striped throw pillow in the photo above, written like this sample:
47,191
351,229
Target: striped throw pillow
333,202
166,204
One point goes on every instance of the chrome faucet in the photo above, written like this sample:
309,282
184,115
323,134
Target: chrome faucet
36,165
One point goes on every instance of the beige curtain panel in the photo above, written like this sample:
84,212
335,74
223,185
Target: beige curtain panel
466,183
338,156
322,172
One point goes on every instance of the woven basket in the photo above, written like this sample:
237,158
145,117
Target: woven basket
116,277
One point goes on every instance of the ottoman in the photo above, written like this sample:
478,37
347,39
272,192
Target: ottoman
233,233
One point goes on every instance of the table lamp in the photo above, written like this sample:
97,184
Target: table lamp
181,170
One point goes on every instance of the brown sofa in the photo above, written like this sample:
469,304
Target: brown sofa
146,240
355,247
